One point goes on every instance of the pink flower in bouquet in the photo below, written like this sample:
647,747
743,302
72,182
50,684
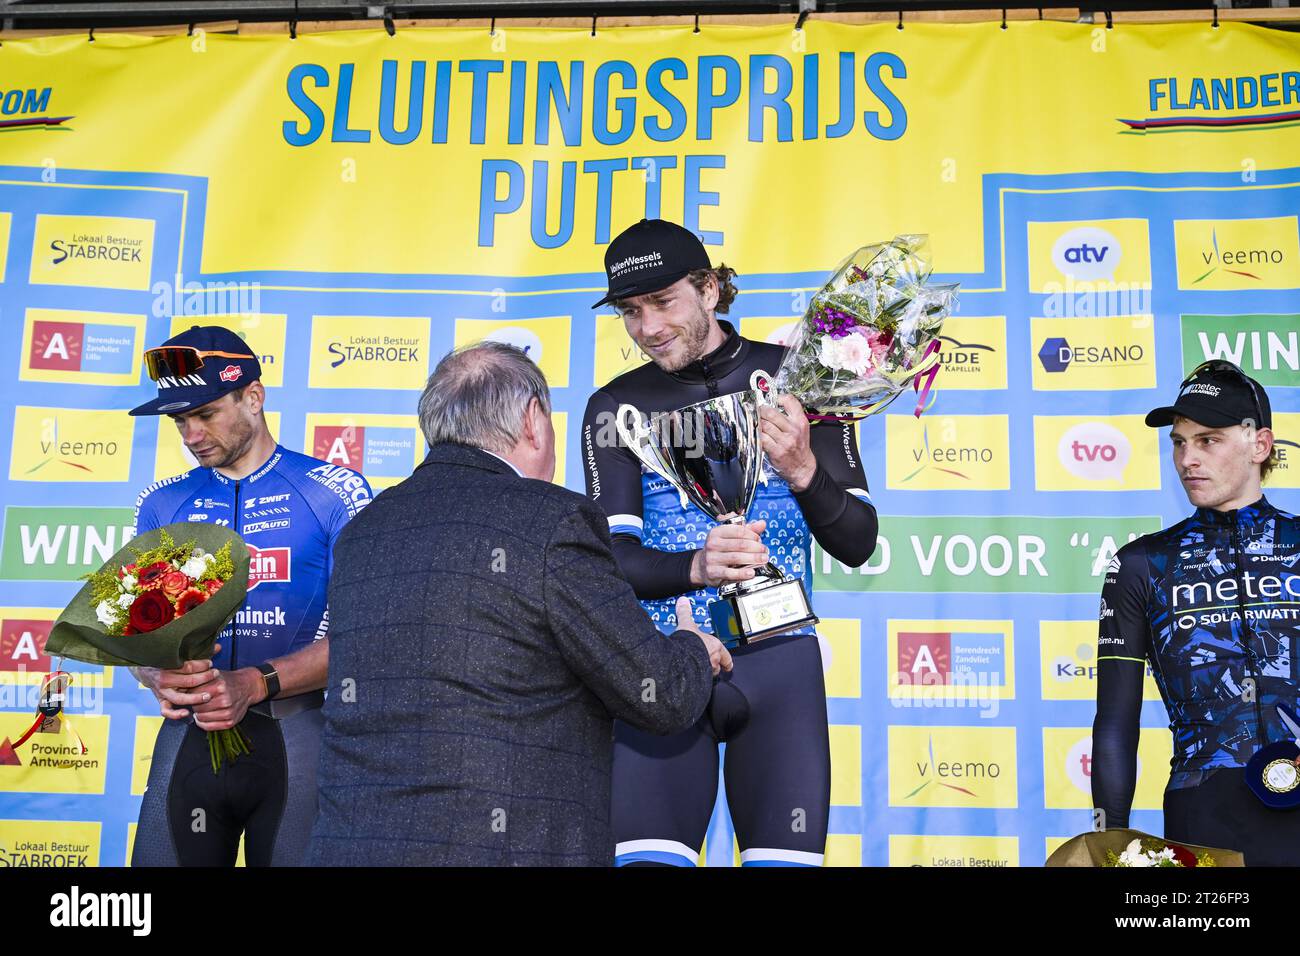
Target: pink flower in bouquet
879,343
174,583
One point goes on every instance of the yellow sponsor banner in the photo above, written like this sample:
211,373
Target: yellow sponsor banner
560,421
53,763
952,767
81,348
846,765
71,444
1096,254
973,353
1237,254
170,454
775,330
146,732
1068,658
843,849
1067,768
264,333
925,849
384,448
1054,844
107,252
368,351
843,643
49,843
947,453
6,220
1286,451
23,661
544,340
616,353
1102,354
1102,453
951,660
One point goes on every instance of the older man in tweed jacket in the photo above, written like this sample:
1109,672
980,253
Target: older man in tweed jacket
481,643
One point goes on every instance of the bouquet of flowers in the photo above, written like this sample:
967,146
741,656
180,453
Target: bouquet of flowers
1122,847
1154,852
159,604
870,332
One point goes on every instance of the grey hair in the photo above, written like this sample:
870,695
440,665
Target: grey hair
478,394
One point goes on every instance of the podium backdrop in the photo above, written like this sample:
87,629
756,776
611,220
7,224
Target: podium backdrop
1118,205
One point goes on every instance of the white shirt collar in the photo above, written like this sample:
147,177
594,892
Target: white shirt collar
511,464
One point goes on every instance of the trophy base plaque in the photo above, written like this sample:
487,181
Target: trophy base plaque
744,614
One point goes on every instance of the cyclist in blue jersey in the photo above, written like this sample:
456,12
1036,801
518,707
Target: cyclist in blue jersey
1213,605
770,710
270,664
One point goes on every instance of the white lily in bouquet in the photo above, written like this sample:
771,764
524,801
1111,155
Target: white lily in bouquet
870,333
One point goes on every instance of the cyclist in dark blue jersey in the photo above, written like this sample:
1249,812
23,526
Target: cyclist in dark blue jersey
1213,603
770,710
271,662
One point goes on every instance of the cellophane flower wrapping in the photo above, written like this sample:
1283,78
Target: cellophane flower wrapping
869,332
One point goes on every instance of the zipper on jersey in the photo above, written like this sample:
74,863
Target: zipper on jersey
1245,630
238,523
710,382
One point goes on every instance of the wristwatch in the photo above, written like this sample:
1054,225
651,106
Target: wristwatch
271,678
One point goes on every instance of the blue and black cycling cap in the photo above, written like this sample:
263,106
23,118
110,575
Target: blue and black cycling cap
649,256
1217,394
196,367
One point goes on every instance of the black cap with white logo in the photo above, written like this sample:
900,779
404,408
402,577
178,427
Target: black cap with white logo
649,256
1217,394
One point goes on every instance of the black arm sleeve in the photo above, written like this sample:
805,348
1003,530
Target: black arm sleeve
1122,648
613,477
836,503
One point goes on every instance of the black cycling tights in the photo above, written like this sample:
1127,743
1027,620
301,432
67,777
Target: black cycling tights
193,817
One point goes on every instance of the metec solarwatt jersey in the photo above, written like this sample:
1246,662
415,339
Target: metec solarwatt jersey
1214,604
289,512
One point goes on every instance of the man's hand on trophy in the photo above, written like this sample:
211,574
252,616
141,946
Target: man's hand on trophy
719,656
731,552
785,440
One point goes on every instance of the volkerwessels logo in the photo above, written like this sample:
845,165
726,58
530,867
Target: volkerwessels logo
374,348
1057,355
635,264
526,340
1087,254
1095,451
267,565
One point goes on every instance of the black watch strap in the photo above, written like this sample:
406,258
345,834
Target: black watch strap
272,679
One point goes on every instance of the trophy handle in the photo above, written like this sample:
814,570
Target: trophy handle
634,431
764,390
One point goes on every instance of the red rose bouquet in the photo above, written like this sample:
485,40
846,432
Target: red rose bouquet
159,604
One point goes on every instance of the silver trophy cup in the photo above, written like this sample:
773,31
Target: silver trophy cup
712,453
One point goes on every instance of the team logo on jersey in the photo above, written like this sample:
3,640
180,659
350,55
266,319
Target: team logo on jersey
267,565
